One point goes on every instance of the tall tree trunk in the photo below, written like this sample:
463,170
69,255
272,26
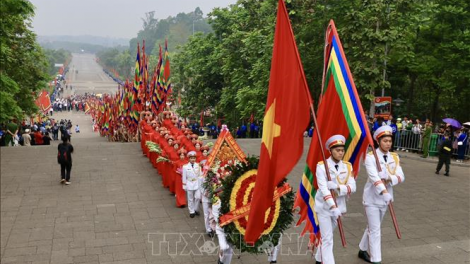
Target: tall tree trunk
372,104
435,104
411,94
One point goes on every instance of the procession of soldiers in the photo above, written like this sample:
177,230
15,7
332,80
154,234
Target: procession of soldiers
180,158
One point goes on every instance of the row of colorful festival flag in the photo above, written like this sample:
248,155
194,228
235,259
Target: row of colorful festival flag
146,91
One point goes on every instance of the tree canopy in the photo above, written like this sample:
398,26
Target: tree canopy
24,65
414,50
418,51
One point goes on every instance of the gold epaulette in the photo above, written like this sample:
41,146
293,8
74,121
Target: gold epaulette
370,152
320,162
394,154
347,162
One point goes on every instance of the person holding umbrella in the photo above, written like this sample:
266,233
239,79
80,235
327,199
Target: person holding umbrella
452,126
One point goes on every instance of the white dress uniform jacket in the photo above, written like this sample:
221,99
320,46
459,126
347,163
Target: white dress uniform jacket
374,185
191,176
343,177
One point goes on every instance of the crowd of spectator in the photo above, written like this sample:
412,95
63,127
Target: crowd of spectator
35,133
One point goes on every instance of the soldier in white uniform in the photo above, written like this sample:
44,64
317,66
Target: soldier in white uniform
274,251
225,249
206,201
341,185
378,193
192,174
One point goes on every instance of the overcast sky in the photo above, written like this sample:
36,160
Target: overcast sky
108,18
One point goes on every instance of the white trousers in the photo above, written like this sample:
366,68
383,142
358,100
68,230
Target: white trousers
193,201
272,255
207,208
325,250
225,249
371,240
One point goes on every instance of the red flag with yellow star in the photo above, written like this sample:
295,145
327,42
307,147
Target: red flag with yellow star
285,120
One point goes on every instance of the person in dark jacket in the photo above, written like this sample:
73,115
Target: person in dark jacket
65,149
46,139
445,152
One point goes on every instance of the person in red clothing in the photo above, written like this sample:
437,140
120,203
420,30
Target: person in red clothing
180,194
194,138
38,138
153,156
187,133
151,137
205,154
160,165
167,119
172,156
166,149
197,146
147,129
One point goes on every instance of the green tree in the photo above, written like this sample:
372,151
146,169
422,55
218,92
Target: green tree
24,66
56,56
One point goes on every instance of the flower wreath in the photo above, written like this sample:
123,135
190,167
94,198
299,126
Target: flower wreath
238,189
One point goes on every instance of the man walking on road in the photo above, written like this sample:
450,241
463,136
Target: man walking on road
64,158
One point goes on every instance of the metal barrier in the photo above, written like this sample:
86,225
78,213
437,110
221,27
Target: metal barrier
406,140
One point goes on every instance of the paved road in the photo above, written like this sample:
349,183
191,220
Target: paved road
90,77
116,200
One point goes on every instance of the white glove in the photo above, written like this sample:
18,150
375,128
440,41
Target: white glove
383,175
331,185
184,187
335,212
387,197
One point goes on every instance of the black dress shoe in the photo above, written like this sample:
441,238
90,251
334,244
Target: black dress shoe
191,215
446,174
210,234
197,213
219,262
364,255
273,261
437,172
317,262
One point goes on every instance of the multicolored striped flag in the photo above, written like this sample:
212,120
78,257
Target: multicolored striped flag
156,98
166,72
137,90
340,102
137,77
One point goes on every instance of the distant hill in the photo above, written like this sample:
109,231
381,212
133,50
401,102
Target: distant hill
87,39
177,29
